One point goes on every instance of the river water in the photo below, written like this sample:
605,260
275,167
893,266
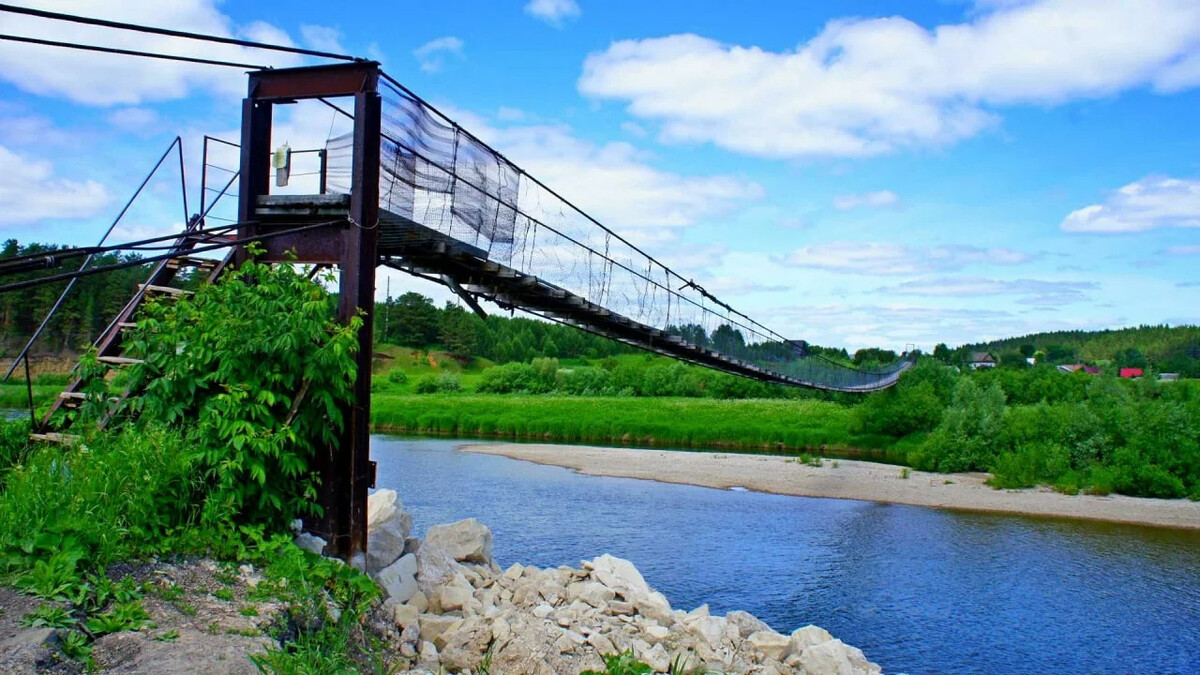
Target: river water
919,590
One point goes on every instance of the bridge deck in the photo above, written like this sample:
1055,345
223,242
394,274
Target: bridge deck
410,247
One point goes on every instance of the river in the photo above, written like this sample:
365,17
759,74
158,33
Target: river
919,590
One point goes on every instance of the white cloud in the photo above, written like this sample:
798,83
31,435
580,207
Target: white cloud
107,79
1032,291
870,200
553,12
432,54
1152,202
322,38
614,182
1190,249
882,258
869,86
138,120
30,191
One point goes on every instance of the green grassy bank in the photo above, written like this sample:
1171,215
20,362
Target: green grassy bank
679,422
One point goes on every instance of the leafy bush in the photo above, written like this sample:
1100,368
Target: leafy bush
966,439
397,376
444,383
261,366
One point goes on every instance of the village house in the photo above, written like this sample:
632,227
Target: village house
981,360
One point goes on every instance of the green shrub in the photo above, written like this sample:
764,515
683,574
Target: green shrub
967,438
397,376
443,383
259,364
117,495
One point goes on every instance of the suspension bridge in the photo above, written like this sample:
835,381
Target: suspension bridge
410,189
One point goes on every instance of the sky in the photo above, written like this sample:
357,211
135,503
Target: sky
854,174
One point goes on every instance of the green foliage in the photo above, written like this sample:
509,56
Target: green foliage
699,422
123,616
47,616
966,439
93,302
14,446
259,362
914,405
315,639
397,376
75,645
624,663
445,383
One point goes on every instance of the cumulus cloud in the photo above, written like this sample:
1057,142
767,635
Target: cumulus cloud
432,55
322,38
30,191
1032,291
554,12
869,86
107,79
883,258
1147,204
614,181
870,200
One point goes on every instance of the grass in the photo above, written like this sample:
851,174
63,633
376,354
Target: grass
676,422
14,395
418,363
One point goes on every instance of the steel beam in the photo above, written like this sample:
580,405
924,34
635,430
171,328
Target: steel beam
346,471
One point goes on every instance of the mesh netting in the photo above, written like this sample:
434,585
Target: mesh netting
443,178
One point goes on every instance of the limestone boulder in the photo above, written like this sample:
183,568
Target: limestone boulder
465,541
769,643
620,575
806,637
747,624
834,657
435,568
591,592
388,525
656,607
399,580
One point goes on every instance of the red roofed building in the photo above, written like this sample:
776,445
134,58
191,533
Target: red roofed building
1131,373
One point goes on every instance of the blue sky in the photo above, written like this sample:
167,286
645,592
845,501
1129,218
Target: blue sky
871,173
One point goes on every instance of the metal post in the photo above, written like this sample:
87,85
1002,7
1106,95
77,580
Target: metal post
29,390
255,167
356,297
324,178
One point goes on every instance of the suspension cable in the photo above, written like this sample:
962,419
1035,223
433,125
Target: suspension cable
119,25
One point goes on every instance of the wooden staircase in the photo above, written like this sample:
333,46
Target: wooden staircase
109,345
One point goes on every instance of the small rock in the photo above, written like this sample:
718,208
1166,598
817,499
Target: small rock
399,579
432,626
405,615
542,611
311,543
657,658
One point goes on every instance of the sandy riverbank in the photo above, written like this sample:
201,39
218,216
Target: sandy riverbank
851,479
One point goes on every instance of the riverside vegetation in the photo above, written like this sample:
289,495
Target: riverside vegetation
113,541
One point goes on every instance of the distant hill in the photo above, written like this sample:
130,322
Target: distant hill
1163,348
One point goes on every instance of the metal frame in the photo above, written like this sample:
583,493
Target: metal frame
345,471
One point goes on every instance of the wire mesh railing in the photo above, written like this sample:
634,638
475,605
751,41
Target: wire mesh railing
442,177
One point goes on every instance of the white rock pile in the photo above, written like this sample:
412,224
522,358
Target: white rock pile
450,605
